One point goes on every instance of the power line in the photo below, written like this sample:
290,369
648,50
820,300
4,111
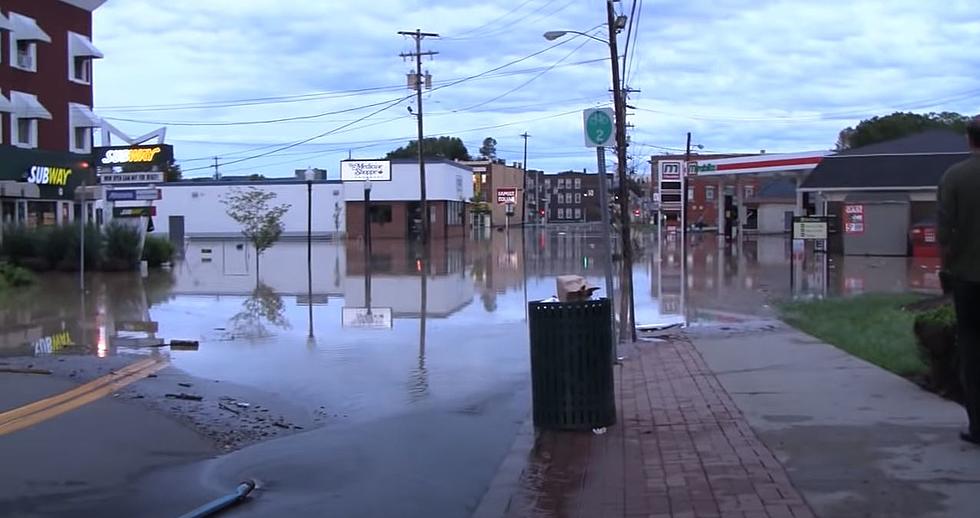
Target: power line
304,141
502,28
636,36
491,22
525,83
252,122
843,115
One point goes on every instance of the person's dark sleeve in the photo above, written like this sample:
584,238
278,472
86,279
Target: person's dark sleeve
946,216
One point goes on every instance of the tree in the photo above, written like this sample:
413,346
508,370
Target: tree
260,220
172,172
489,148
451,148
897,125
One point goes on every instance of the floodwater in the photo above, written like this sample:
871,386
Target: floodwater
425,377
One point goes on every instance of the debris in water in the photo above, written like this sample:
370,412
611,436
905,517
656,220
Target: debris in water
186,397
599,431
183,345
28,370
184,384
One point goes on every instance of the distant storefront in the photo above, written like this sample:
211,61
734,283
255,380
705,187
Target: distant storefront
37,187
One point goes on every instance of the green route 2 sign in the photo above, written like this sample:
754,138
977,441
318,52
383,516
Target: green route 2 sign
599,128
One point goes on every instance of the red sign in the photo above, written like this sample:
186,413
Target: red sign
854,219
506,196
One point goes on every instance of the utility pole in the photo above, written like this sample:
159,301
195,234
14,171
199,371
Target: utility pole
417,84
217,175
624,206
527,218
687,160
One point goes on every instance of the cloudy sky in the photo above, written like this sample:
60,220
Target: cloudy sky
742,75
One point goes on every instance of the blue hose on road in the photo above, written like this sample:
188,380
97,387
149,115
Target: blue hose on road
216,506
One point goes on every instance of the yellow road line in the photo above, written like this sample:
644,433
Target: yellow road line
42,410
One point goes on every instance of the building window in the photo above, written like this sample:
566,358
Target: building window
578,197
709,193
81,139
578,183
25,57
380,214
24,36
578,213
547,182
25,132
561,198
561,183
81,120
561,213
81,52
749,191
82,70
690,193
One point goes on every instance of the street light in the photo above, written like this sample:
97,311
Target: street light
615,24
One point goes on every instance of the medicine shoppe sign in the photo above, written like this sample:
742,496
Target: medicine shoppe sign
56,174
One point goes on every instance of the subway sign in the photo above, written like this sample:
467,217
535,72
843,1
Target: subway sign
44,175
124,159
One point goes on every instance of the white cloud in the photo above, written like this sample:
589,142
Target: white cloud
742,75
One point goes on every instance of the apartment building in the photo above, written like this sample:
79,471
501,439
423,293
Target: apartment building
46,116
572,196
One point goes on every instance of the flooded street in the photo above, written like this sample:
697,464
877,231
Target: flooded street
422,394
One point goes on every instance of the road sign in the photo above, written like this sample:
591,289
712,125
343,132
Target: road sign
120,195
810,228
133,212
599,128
506,196
133,195
120,178
365,318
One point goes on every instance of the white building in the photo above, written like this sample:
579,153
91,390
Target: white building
193,209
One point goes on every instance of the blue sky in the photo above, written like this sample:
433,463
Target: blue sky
742,75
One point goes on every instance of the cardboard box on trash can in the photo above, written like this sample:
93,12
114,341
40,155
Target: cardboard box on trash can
573,288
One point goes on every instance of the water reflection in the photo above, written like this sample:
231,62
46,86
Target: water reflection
262,309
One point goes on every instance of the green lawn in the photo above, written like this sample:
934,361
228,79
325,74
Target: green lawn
871,327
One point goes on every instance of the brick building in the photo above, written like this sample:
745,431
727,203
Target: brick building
573,196
494,181
395,209
46,117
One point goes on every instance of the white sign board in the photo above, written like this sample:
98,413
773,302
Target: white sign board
600,128
117,178
364,170
810,228
364,318
506,196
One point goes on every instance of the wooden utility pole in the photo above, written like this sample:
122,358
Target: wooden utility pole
624,201
527,218
417,84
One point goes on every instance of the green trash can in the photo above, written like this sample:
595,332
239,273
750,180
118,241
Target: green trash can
571,364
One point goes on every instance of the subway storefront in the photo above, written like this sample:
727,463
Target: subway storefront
37,187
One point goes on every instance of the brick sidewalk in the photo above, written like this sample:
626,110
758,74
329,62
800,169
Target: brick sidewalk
681,449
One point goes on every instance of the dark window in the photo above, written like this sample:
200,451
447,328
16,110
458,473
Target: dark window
380,213
667,198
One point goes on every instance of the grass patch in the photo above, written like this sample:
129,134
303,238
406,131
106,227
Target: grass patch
874,328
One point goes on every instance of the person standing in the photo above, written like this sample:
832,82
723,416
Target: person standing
959,239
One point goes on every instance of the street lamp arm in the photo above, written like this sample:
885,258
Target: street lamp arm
554,35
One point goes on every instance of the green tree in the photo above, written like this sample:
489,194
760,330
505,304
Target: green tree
489,148
451,148
261,221
897,125
172,172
